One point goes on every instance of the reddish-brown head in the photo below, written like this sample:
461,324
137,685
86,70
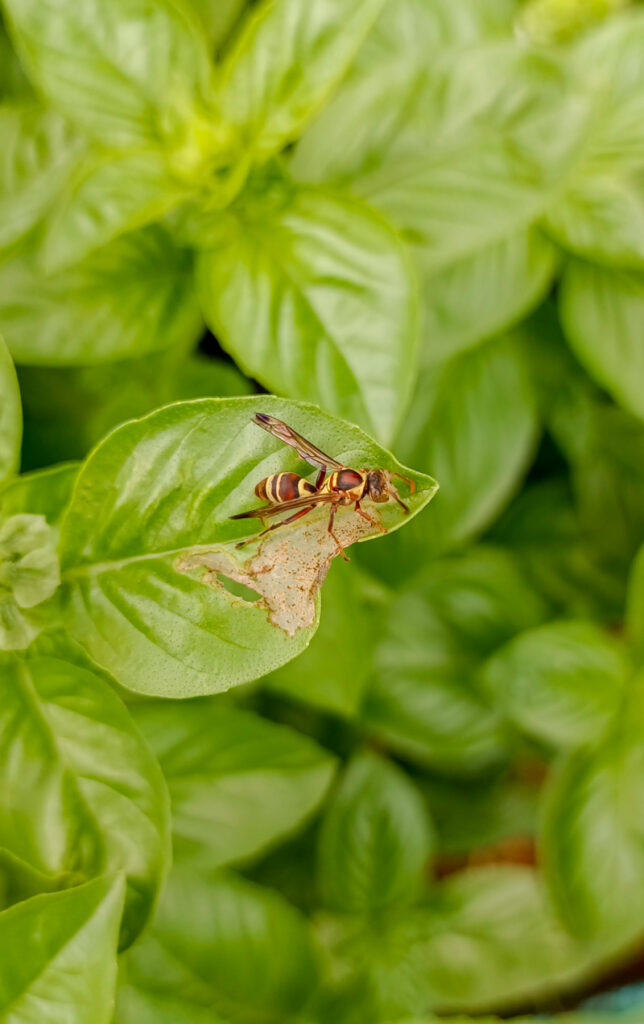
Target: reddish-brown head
380,487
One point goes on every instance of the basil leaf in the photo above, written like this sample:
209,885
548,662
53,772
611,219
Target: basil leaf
10,415
286,62
424,700
71,757
314,298
561,683
29,575
635,605
513,949
332,673
602,311
131,297
223,944
237,783
39,150
132,73
218,17
59,951
130,560
591,843
44,493
474,421
109,195
375,841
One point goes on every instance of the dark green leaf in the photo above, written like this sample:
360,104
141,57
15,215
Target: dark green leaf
59,956
478,815
10,415
313,296
375,842
151,511
131,298
39,150
561,683
223,944
237,783
82,792
45,493
592,837
424,700
635,606
286,62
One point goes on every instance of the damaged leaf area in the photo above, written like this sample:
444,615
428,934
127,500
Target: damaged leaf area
289,566
154,586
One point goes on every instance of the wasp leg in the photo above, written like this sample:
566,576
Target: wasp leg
320,479
410,483
365,515
283,522
330,530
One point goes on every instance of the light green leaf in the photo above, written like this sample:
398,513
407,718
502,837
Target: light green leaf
59,955
424,700
132,72
39,150
473,421
561,683
151,511
286,62
130,298
223,944
82,792
332,673
313,296
511,948
43,493
592,842
375,841
110,194
601,218
237,782
607,63
218,17
143,1006
602,313
29,575
10,415
484,294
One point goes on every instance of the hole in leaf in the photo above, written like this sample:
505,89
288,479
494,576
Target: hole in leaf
237,589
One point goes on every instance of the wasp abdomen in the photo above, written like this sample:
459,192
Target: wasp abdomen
283,487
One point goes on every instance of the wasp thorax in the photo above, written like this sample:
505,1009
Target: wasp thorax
378,485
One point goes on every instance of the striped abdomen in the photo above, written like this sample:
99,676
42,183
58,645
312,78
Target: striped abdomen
283,487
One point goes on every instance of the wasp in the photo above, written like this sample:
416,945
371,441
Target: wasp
291,493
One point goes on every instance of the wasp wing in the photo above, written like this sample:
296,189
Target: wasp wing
304,448
266,511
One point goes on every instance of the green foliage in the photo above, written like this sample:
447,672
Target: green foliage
59,950
418,224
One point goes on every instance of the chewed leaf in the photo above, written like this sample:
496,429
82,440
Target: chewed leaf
148,549
290,566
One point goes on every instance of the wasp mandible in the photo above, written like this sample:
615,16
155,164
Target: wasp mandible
289,492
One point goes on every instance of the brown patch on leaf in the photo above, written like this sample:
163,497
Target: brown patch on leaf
289,565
